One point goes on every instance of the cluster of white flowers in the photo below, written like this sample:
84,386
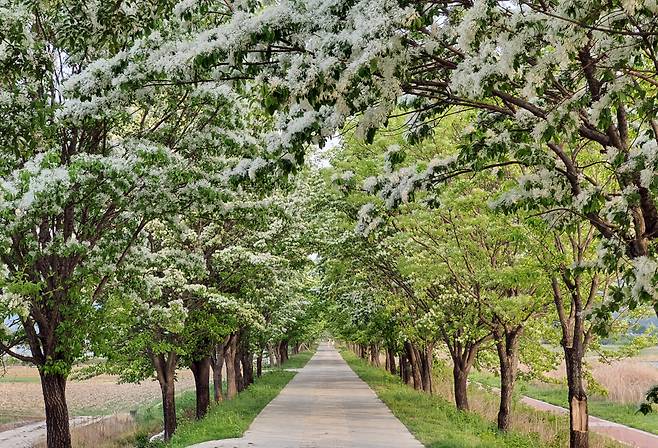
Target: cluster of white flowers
15,303
542,184
171,316
367,221
646,274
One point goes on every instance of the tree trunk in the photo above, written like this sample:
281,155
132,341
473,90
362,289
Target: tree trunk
426,360
405,369
283,352
374,355
58,434
237,362
169,408
460,378
413,365
247,360
259,364
575,339
230,349
272,353
362,351
217,363
201,371
390,361
165,368
578,427
507,346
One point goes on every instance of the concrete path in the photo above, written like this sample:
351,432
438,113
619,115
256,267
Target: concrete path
26,436
325,405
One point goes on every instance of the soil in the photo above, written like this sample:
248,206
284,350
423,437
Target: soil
21,399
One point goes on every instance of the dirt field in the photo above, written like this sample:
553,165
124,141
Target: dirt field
21,399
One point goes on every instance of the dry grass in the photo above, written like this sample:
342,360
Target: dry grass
626,381
116,431
553,430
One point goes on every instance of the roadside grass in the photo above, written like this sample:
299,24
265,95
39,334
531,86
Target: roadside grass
231,418
435,422
299,360
625,414
227,419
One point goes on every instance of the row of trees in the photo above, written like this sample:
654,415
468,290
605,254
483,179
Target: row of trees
447,276
125,124
152,227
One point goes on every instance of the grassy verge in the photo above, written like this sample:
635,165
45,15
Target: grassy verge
434,421
19,379
625,414
299,360
231,418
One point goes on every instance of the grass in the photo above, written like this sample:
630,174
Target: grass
231,418
19,379
435,422
299,360
227,419
626,414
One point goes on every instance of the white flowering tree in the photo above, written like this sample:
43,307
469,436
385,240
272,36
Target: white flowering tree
74,195
561,89
82,176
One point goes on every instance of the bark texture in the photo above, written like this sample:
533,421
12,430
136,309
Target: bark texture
578,423
57,414
259,364
165,368
201,371
460,378
374,355
217,364
507,346
426,361
390,361
414,365
230,352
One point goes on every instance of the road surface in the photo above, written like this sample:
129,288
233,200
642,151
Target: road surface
326,405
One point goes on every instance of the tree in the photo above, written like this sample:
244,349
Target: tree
488,264
81,180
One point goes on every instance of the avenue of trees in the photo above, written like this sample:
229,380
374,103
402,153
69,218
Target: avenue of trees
495,170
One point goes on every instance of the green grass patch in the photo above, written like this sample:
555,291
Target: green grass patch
230,418
435,422
20,379
625,414
299,360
